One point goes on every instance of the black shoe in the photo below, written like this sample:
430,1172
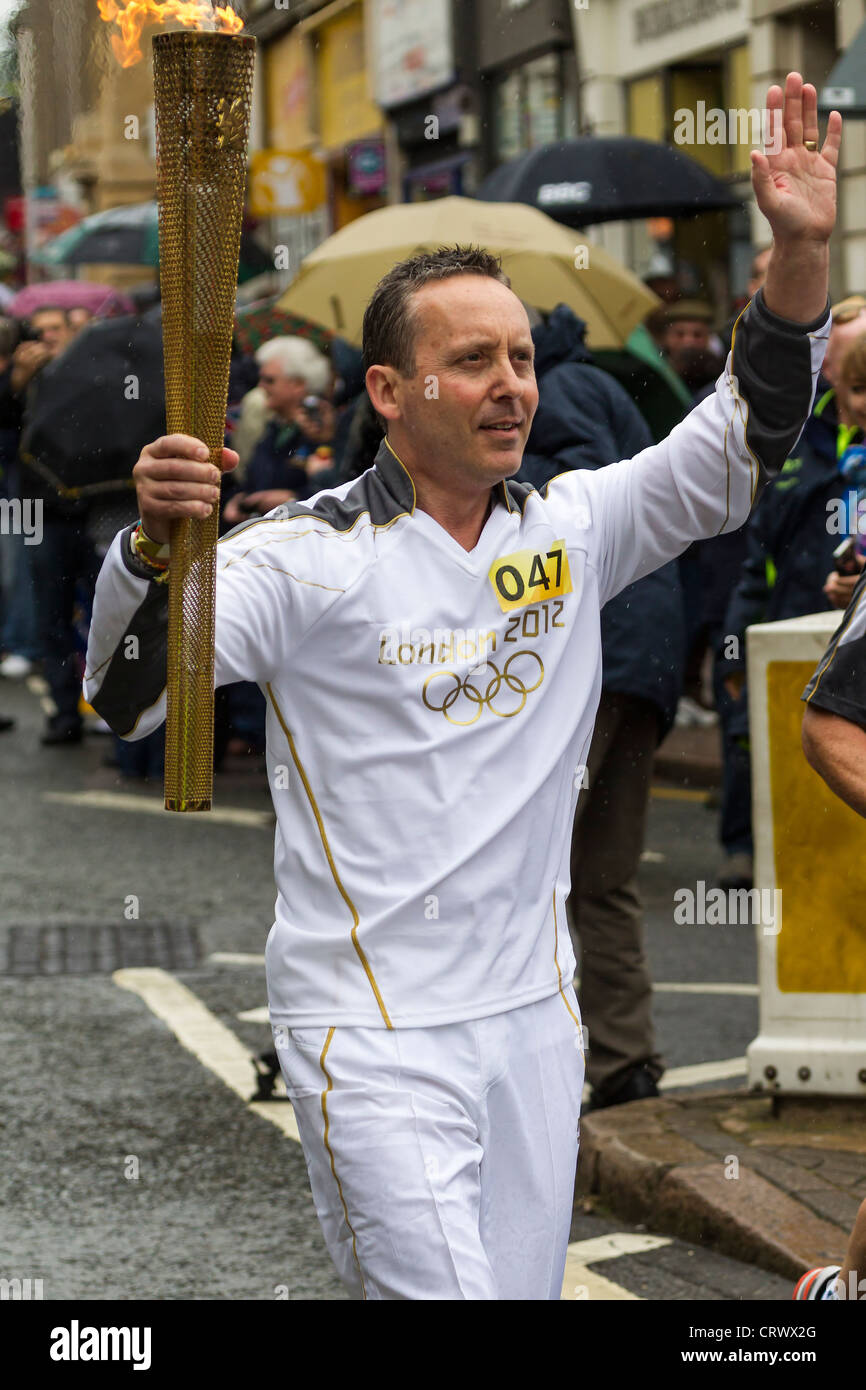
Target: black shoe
736,872
6,723
60,729
267,1073
638,1085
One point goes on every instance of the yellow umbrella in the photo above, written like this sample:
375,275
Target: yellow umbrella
548,264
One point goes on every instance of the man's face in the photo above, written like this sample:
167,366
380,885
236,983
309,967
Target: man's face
283,394
686,335
51,328
473,371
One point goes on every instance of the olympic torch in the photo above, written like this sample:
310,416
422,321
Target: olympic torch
203,80
203,89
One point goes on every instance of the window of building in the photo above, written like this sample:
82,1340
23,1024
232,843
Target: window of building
533,105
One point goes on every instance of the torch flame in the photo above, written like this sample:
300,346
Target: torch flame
132,16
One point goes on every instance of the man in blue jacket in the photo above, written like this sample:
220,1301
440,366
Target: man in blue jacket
586,420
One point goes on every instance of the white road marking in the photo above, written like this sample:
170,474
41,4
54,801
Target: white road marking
652,856
153,806
613,1246
582,1283
709,988
703,1072
215,1046
235,958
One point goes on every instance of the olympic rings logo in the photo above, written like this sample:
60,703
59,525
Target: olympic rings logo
494,697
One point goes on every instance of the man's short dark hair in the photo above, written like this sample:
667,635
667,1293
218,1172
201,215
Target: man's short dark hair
389,319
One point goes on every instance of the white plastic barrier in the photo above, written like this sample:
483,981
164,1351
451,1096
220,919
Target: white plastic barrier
810,852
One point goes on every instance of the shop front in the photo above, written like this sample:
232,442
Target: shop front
530,76
349,122
426,81
694,74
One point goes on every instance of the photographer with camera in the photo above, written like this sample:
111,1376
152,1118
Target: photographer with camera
295,447
43,338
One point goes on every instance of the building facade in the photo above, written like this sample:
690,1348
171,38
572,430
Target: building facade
86,123
360,103
643,63
529,73
425,76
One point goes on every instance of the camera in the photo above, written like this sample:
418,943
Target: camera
845,557
311,405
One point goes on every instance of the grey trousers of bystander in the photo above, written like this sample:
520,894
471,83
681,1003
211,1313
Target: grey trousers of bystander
605,912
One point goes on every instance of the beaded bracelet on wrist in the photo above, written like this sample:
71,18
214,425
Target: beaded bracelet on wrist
153,554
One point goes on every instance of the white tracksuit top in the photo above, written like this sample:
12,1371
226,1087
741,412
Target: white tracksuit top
429,710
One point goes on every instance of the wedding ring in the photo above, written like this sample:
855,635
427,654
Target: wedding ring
810,144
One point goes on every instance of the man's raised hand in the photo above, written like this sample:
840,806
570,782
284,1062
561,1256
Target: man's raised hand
174,479
795,186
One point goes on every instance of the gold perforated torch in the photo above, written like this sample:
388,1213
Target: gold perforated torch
203,77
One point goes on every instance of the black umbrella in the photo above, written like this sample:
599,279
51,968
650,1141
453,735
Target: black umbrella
602,178
94,408
845,88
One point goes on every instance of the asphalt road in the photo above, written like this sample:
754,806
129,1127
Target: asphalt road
129,1167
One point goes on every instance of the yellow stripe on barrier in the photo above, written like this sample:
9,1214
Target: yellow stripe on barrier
819,848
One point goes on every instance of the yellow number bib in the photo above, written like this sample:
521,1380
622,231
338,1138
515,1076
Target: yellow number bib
529,576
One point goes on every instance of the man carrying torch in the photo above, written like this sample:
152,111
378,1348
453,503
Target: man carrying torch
427,638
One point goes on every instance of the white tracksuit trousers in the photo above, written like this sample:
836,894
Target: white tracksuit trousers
442,1159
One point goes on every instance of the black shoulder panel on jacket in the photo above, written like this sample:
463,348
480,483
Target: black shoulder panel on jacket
383,493
772,367
132,685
